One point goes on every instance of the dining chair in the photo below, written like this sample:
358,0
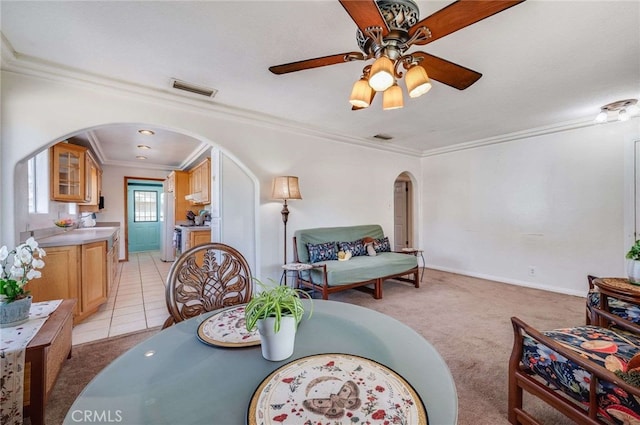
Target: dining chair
624,309
205,278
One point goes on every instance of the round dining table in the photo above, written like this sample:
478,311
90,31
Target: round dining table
175,378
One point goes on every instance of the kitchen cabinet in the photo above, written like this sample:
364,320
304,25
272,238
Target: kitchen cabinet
60,277
198,237
93,277
113,258
177,183
200,183
93,185
74,271
68,178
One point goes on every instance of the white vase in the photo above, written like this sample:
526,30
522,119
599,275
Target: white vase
279,345
633,270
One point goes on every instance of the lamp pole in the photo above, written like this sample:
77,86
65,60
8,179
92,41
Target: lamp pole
285,218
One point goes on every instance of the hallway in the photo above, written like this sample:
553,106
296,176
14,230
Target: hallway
136,301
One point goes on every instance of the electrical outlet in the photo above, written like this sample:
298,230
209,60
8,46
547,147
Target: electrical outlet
532,271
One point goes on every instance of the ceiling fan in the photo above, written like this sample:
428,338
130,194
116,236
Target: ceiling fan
386,30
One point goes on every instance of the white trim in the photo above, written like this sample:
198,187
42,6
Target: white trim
514,282
18,63
27,65
525,134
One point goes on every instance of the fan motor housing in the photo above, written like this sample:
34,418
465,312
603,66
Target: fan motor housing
400,16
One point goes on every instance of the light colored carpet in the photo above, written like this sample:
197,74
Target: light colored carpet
466,319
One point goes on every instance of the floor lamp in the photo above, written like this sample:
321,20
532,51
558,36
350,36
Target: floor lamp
285,187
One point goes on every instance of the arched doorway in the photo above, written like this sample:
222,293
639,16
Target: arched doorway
403,212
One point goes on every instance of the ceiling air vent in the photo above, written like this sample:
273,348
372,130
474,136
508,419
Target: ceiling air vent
193,88
383,136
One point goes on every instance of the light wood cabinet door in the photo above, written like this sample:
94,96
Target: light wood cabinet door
94,277
92,186
200,182
68,168
60,276
205,182
199,237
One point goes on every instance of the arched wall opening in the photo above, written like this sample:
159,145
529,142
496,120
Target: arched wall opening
239,194
404,212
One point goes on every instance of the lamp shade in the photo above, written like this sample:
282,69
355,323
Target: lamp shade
381,74
285,187
361,94
417,81
392,98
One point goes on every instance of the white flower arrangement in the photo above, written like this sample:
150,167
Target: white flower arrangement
19,266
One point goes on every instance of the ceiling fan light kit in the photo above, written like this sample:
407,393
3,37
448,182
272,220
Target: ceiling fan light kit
417,81
387,29
361,94
623,108
392,98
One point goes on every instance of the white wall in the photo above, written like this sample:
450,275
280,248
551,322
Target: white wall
336,190
113,190
555,202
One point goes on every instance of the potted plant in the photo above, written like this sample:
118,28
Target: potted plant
18,267
633,269
276,311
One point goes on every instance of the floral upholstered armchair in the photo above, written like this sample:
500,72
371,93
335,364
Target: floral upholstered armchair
584,371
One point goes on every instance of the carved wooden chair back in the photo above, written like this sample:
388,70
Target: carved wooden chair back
205,278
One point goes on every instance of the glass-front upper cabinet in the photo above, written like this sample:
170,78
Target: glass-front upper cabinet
68,172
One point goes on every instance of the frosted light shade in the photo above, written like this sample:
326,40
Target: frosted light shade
285,187
623,115
601,117
361,94
381,74
417,81
392,98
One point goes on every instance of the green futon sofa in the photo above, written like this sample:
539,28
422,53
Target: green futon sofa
319,247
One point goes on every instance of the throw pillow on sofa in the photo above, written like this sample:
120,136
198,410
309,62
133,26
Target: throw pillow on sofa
356,247
382,245
322,251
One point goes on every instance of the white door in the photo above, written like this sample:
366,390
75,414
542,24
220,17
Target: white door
400,212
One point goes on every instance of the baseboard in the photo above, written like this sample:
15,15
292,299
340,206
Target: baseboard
514,282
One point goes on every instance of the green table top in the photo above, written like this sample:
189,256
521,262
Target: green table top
173,378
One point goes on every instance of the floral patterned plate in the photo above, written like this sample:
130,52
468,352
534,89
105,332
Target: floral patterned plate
226,328
337,389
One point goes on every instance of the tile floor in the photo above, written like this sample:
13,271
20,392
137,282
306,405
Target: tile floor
136,301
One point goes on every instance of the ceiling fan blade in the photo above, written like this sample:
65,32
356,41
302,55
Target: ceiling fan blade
446,72
316,62
460,14
365,14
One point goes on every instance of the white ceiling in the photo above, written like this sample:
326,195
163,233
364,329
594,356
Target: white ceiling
544,63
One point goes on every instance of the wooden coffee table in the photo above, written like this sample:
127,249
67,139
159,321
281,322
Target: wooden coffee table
616,287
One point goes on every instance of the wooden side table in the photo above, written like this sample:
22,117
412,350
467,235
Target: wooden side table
616,287
44,357
417,252
293,268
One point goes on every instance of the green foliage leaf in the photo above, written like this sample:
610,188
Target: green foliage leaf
275,301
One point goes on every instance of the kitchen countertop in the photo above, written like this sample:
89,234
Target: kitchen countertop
80,236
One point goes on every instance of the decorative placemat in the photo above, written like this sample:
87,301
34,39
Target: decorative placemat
337,389
226,328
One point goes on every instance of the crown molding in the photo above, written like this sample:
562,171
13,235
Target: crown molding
12,61
510,137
